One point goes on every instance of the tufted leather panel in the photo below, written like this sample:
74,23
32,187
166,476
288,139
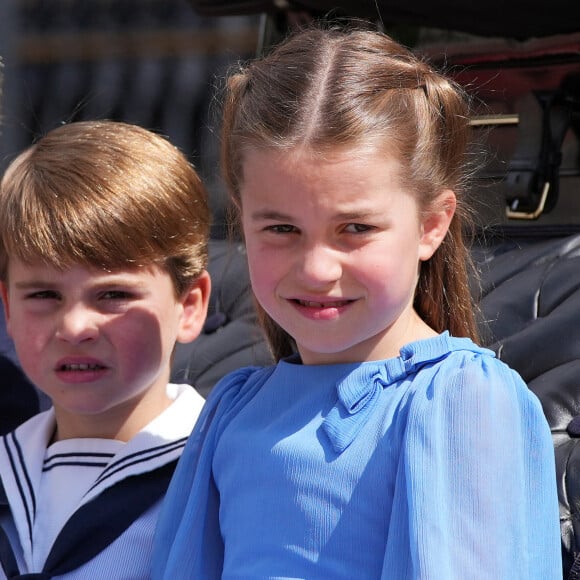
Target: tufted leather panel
531,308
231,337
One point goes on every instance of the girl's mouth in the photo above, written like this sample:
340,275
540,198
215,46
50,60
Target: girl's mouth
331,309
80,367
313,304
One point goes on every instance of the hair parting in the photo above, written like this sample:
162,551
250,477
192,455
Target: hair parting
329,89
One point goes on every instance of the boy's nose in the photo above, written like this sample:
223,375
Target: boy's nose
77,324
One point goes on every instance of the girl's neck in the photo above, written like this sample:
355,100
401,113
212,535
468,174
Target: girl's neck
386,345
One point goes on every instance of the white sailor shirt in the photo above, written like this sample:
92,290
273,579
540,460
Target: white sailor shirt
103,526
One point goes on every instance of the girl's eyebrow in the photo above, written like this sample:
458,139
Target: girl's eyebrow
278,216
355,215
270,215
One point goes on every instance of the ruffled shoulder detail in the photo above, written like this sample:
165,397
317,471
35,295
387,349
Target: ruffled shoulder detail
359,391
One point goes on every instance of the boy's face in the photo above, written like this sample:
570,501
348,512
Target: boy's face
99,343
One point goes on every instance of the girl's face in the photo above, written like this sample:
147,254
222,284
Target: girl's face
334,247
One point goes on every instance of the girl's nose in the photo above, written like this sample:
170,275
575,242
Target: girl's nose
319,265
77,324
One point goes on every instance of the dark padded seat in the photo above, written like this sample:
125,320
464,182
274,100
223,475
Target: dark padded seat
531,306
231,337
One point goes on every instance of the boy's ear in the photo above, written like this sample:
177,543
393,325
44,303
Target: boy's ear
436,223
195,302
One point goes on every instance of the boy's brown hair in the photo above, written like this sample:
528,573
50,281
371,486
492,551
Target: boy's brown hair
105,194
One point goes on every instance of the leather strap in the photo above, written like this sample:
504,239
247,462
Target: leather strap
533,171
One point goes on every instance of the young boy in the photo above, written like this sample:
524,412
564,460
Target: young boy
103,249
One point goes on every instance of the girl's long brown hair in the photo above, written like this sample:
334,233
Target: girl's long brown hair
332,89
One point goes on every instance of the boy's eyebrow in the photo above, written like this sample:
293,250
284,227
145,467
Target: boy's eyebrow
109,281
35,284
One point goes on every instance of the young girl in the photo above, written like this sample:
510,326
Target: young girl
384,443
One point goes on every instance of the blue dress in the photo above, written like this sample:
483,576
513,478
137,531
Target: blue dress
435,464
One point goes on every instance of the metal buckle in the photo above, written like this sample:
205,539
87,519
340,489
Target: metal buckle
531,215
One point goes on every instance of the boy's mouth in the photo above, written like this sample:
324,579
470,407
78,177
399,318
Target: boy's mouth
76,370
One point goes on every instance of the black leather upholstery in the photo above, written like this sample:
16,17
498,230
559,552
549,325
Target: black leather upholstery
231,337
19,400
531,306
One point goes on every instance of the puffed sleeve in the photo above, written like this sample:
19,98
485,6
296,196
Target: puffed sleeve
476,490
187,541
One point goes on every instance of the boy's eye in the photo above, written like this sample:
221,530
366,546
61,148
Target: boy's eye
357,228
43,295
116,295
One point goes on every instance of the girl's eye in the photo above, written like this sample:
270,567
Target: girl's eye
281,229
357,228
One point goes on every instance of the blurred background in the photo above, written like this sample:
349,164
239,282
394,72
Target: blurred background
155,63
150,62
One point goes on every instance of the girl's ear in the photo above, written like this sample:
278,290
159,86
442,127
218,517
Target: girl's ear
436,222
195,302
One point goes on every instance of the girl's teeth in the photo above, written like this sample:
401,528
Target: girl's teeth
322,304
81,367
